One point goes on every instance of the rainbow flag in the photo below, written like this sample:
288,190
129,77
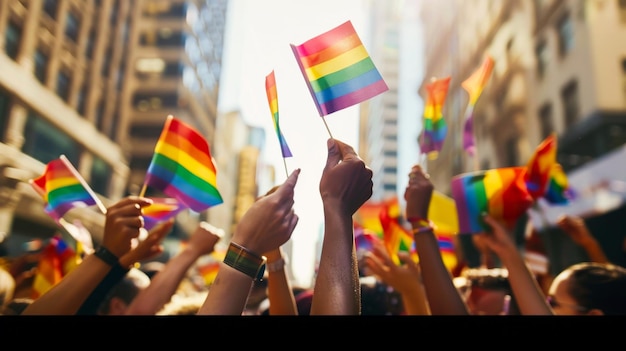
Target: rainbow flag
558,191
272,99
474,86
435,128
395,237
62,188
182,167
57,259
363,238
160,210
338,70
500,192
539,167
208,272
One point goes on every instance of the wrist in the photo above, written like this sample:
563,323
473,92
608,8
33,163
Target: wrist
421,225
277,265
245,261
106,256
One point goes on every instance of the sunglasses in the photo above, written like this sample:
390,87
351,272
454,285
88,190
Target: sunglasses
554,304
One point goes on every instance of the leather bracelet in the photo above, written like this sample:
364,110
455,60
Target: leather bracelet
245,261
107,256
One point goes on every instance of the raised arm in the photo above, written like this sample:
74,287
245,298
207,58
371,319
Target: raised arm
528,294
279,291
577,230
405,278
123,221
164,284
265,226
345,185
443,297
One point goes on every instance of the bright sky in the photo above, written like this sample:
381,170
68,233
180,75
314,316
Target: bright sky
259,43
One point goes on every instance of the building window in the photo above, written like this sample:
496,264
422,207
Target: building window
41,66
542,56
5,107
12,40
157,101
571,106
546,120
622,10
81,108
511,152
100,176
566,34
63,85
91,42
45,142
50,7
72,26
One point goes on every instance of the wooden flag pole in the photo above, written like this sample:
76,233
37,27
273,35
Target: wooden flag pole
328,129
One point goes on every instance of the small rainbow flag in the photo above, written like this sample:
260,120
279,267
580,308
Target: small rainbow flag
435,128
446,248
558,191
539,167
474,86
57,260
500,192
338,70
272,99
182,167
208,272
62,188
160,210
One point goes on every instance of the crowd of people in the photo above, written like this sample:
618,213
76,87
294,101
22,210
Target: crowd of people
252,279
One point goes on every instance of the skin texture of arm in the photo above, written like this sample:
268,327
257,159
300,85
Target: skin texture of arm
280,294
528,294
443,297
265,226
122,223
164,284
405,278
345,185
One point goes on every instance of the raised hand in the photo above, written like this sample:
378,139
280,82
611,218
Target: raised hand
123,223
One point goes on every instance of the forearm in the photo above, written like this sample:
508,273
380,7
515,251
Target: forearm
93,301
528,294
442,296
414,301
594,252
66,297
228,293
337,287
163,285
282,300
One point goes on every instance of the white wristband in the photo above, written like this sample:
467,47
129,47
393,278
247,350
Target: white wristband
276,266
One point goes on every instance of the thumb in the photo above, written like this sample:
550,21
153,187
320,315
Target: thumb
334,153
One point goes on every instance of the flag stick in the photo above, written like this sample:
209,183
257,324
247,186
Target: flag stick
285,164
328,129
84,183
143,190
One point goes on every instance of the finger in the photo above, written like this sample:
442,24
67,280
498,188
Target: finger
347,152
287,188
334,153
141,201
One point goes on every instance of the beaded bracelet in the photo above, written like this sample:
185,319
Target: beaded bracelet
421,225
245,261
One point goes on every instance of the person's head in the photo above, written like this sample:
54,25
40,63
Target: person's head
486,292
589,288
124,292
181,305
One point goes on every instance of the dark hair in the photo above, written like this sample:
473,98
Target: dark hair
599,286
